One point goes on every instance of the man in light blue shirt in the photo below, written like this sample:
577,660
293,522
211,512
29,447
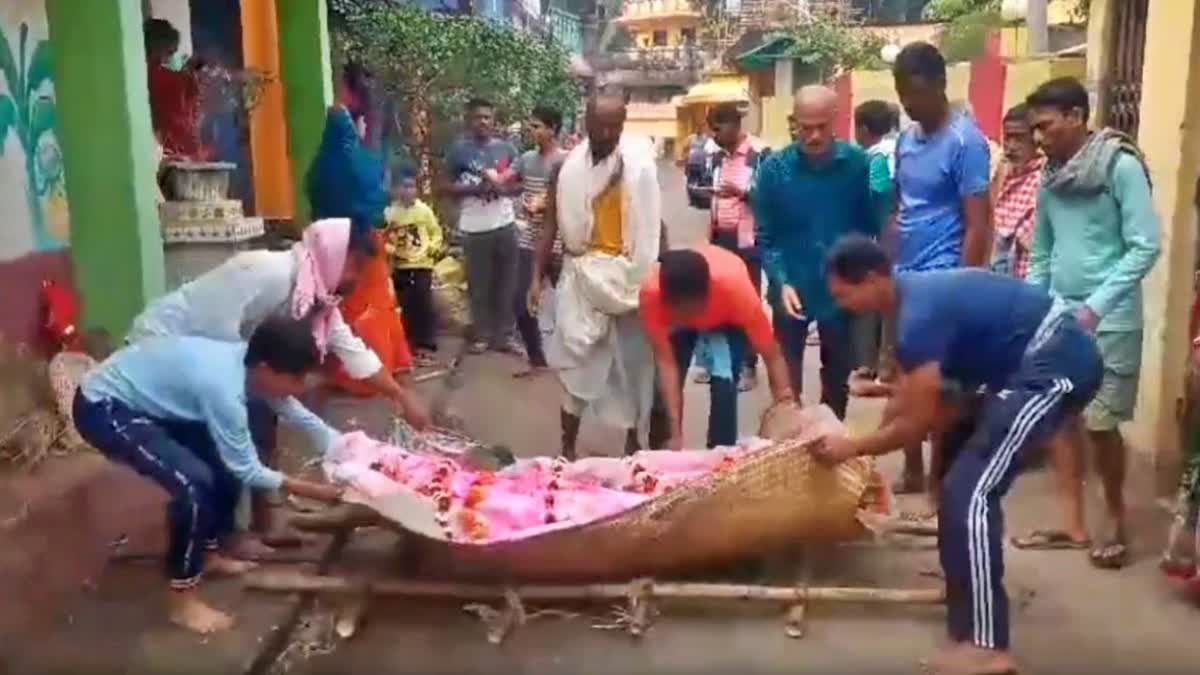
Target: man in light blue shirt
943,215
1096,237
174,410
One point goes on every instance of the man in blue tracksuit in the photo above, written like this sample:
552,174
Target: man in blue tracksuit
1035,366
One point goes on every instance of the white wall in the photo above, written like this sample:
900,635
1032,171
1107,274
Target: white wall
178,12
33,203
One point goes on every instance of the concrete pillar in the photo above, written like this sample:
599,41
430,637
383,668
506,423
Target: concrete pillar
307,84
785,80
1039,31
108,151
273,191
1169,133
1100,51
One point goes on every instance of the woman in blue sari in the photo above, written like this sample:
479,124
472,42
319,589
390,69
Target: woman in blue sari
346,180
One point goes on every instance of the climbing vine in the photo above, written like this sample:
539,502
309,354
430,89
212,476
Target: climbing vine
429,64
829,46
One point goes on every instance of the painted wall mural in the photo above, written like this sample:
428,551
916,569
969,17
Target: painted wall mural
33,196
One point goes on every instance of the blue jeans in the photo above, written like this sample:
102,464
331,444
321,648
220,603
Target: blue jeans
837,352
728,240
181,458
722,410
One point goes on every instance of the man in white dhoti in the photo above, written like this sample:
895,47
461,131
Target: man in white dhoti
607,209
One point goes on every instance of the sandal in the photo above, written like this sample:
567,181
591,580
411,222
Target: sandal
1049,540
424,360
1113,554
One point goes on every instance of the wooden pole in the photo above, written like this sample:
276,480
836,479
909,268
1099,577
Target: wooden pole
292,581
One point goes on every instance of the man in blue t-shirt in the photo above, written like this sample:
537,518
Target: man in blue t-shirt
942,212
1035,366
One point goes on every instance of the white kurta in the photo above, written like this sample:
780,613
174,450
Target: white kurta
598,347
230,301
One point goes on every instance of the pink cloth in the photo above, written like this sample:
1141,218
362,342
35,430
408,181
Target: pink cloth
528,498
320,261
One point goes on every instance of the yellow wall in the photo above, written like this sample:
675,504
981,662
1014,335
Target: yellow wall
878,84
656,120
268,125
1021,78
643,17
1169,134
643,36
774,128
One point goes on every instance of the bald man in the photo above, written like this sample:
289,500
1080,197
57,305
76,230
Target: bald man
607,211
807,196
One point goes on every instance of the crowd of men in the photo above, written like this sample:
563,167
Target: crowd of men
1000,310
999,313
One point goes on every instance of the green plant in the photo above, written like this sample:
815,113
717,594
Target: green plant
829,47
430,64
949,10
966,37
30,115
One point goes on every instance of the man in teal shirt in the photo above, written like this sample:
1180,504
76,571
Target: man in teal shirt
1095,238
875,126
806,197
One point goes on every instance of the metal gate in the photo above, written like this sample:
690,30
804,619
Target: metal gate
1123,82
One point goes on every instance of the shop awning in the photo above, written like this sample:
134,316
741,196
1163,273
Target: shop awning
717,90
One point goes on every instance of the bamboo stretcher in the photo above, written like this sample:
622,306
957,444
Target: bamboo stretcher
640,598
777,499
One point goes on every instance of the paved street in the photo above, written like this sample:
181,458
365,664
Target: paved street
1067,616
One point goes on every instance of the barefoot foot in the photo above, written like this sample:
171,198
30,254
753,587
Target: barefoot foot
187,610
247,546
217,564
968,659
283,537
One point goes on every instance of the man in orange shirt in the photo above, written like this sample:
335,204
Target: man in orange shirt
706,290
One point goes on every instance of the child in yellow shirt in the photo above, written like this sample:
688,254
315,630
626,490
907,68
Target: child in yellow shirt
414,241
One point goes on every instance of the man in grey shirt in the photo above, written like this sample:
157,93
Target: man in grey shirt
479,175
535,168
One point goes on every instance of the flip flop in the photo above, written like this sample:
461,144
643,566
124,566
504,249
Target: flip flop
424,360
1049,540
1113,554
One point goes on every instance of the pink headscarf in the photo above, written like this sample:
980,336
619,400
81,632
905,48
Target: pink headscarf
320,260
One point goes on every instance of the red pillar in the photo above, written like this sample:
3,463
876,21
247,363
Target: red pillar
842,127
986,88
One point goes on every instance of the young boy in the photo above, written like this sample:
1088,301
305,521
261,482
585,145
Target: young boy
535,168
414,240
174,410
